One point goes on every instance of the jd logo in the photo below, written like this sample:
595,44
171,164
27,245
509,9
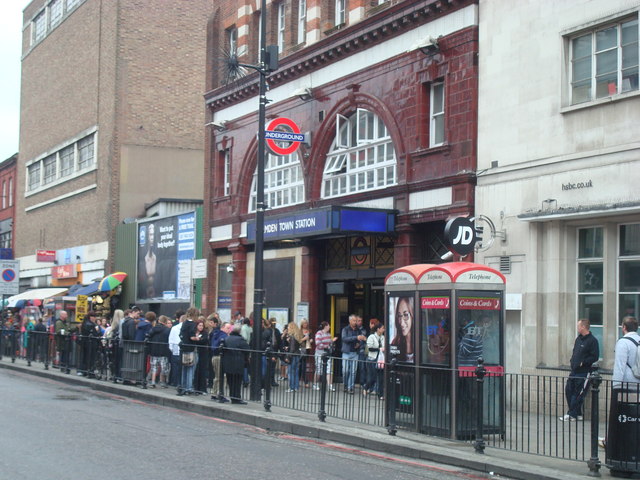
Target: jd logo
461,235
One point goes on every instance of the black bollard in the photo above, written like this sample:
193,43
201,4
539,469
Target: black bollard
391,396
322,414
266,380
47,341
478,445
29,347
221,398
595,380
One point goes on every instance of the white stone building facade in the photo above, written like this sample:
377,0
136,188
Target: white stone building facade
559,169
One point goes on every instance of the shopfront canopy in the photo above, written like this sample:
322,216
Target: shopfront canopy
454,272
35,294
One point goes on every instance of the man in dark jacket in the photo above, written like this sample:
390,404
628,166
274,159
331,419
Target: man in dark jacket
89,333
585,353
234,359
217,337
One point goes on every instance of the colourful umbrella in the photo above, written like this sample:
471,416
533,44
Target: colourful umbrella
110,282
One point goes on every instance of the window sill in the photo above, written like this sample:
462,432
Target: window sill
445,149
601,101
60,181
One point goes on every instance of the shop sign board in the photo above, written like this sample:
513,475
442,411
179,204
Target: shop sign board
45,256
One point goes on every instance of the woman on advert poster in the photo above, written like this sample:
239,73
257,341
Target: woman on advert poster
402,340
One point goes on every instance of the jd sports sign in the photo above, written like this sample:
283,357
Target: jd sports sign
461,236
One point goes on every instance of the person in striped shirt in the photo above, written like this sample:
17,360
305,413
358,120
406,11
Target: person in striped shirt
324,343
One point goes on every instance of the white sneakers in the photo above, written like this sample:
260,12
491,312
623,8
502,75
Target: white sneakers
567,418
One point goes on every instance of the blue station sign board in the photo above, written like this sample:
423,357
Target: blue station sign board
323,221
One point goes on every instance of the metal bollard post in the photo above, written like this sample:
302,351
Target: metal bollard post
145,351
268,353
594,463
478,445
116,357
391,397
47,341
14,345
221,398
29,347
322,414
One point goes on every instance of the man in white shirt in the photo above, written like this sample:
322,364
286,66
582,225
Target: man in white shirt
174,345
626,350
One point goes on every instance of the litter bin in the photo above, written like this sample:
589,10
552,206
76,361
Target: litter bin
623,435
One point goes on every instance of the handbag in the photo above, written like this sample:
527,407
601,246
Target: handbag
188,358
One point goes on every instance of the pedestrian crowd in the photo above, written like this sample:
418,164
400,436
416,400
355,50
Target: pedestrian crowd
191,352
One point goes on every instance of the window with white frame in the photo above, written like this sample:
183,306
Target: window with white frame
4,194
283,182
591,278
67,159
629,271
232,36
281,26
33,176
302,21
49,169
55,13
259,30
436,114
604,61
68,162
86,152
341,9
361,157
227,172
11,192
39,26
5,239
50,17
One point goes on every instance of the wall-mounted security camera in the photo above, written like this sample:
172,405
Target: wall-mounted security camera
231,268
220,125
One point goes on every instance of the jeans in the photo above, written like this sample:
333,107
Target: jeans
573,389
176,371
293,372
372,378
187,375
349,367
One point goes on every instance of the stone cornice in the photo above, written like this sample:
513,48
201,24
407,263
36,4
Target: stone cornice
341,43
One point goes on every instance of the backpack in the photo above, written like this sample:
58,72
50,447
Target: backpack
635,368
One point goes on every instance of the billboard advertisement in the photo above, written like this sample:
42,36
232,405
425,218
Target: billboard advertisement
400,327
166,247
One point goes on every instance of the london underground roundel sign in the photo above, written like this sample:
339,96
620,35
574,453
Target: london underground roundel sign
275,136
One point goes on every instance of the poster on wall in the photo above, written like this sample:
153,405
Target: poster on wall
166,247
400,327
281,315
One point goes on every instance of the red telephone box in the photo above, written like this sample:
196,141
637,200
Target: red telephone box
440,320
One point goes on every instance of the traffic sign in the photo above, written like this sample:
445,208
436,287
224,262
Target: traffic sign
293,136
9,277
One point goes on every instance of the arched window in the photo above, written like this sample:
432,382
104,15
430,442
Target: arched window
283,182
11,191
361,157
4,194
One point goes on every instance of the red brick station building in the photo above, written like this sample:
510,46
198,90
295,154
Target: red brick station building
387,92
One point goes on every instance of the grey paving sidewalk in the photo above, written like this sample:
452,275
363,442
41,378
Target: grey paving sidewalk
366,437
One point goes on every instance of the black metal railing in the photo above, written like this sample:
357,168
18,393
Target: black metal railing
489,408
